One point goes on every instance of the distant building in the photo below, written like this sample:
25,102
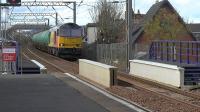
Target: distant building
195,29
91,33
162,22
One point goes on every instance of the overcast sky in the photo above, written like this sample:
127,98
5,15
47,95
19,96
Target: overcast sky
188,9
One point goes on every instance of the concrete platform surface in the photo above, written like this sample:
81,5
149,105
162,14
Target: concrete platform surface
27,64
46,93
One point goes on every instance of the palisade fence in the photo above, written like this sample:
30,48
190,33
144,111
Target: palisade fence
114,54
89,51
141,51
176,52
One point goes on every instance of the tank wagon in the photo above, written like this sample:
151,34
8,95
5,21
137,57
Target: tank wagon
63,41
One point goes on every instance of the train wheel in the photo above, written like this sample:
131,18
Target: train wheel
53,51
57,52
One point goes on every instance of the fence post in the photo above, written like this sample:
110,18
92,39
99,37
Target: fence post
197,52
188,58
161,51
180,52
167,51
111,50
150,51
174,52
156,49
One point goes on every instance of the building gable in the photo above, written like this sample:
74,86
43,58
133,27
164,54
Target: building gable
161,22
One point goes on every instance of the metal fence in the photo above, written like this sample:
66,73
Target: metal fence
89,51
141,51
176,52
179,52
113,54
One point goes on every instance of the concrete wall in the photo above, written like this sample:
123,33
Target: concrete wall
91,34
100,73
163,73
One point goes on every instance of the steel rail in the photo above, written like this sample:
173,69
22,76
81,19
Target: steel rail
130,81
173,89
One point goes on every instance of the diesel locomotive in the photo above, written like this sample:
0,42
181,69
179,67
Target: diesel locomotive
63,41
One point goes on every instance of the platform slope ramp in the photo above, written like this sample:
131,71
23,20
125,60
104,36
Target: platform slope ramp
30,67
170,75
99,73
43,69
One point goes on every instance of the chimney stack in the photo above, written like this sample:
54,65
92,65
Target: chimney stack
157,1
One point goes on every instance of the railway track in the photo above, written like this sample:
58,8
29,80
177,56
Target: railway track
123,76
61,65
167,93
51,65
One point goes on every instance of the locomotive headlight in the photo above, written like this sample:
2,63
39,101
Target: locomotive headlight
78,45
61,44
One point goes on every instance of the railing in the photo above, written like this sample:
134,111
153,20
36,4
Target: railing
179,52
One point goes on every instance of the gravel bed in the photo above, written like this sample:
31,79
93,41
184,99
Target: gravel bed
150,100
196,91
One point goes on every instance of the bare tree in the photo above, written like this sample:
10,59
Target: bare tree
110,25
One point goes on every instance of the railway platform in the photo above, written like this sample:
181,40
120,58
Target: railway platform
47,93
27,67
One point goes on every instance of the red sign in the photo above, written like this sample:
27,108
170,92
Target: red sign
9,57
9,54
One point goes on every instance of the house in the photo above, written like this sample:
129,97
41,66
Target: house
91,32
161,22
195,29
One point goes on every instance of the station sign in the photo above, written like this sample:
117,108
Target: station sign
9,54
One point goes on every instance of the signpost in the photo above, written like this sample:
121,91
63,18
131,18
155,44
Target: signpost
8,57
9,54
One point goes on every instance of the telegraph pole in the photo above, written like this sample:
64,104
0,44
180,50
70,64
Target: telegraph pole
129,30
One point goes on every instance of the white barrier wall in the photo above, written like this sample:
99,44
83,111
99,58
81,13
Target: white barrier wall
163,73
43,70
100,73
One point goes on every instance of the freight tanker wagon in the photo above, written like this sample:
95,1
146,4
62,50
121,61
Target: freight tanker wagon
63,41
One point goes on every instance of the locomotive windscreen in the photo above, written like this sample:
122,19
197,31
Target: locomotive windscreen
70,30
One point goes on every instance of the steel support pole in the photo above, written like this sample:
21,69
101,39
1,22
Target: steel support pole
48,22
56,19
129,30
1,43
74,12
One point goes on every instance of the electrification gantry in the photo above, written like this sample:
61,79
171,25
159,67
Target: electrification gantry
53,3
12,15
30,21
